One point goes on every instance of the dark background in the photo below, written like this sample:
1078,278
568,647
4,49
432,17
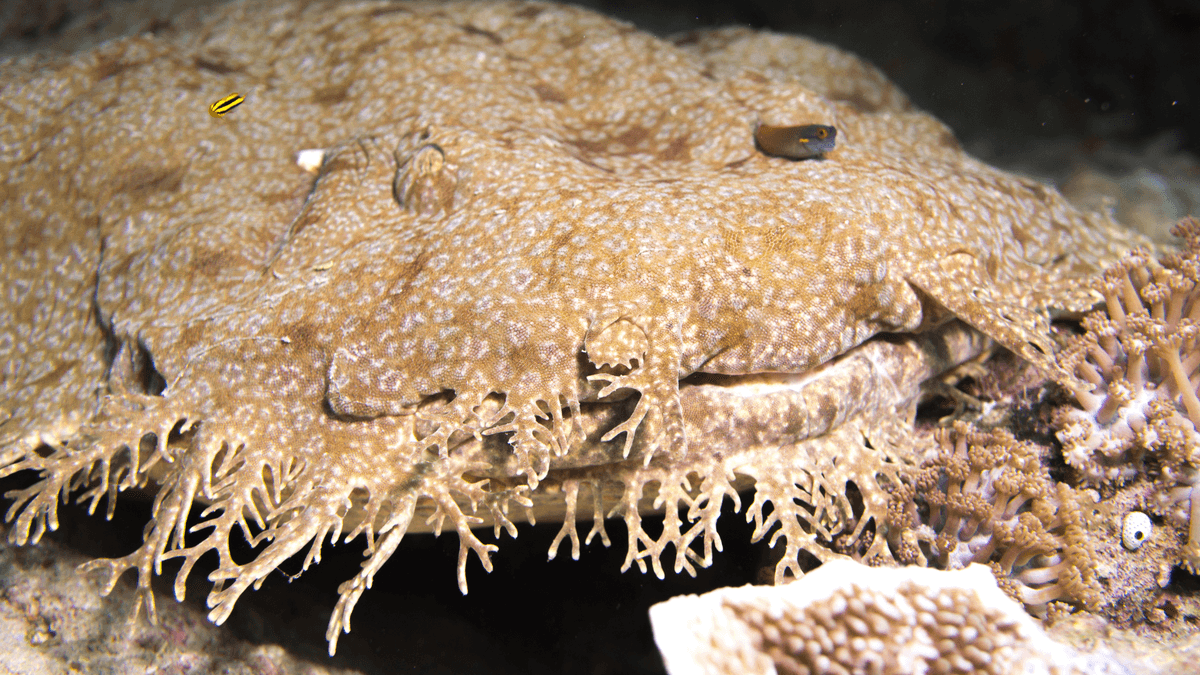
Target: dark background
1007,76
1032,68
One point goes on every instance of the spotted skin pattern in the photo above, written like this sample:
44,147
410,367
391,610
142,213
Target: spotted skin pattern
532,228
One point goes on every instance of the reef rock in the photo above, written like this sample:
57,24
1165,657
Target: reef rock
849,618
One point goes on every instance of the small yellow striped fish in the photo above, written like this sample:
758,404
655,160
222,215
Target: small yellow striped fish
226,104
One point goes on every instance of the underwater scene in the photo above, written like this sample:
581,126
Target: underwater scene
520,337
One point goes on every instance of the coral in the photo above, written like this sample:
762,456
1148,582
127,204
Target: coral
1148,186
532,235
1141,354
848,618
987,498
51,621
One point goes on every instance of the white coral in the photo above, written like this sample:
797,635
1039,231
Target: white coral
849,618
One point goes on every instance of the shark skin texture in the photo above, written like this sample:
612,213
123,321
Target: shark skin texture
454,265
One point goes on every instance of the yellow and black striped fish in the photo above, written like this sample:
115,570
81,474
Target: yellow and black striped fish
226,104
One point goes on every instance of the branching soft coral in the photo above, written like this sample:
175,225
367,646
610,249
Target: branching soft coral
987,498
1141,352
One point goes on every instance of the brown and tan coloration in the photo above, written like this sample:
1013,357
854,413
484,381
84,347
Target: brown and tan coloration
987,498
1137,429
531,224
796,142
850,618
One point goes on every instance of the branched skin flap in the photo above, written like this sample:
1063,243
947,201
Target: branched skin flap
529,226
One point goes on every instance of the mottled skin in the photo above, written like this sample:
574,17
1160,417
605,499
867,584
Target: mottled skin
522,211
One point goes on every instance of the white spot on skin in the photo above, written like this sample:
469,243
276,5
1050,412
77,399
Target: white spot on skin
735,265
1135,530
310,160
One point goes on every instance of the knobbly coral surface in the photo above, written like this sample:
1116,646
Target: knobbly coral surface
849,618
538,258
